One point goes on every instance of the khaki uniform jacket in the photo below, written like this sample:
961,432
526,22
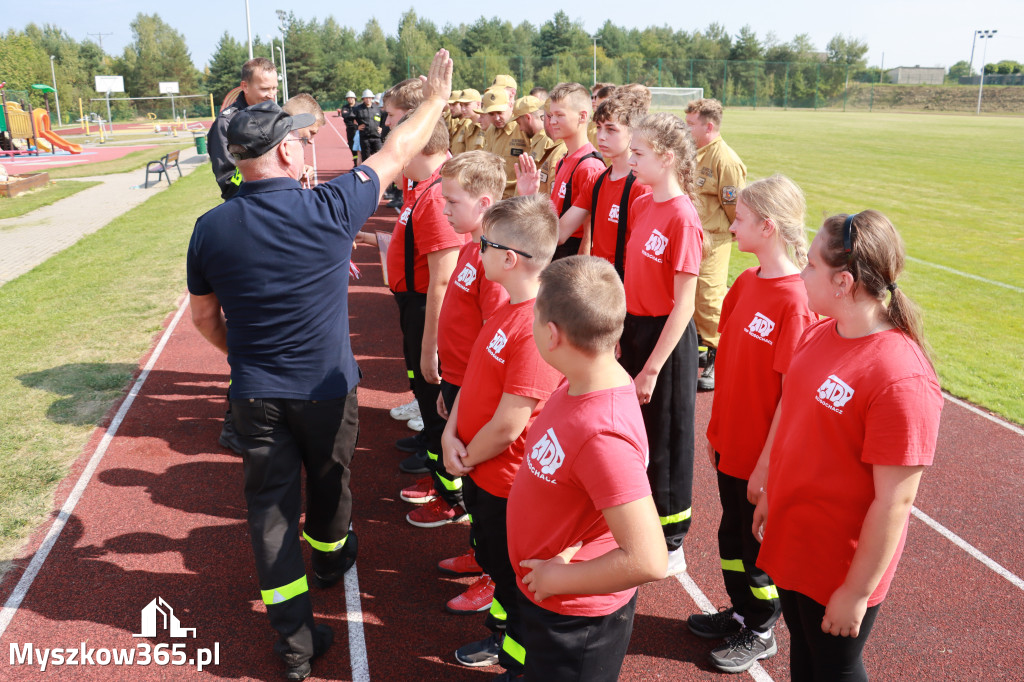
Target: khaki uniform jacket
509,143
468,137
547,153
720,177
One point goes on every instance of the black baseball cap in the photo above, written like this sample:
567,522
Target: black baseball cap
261,127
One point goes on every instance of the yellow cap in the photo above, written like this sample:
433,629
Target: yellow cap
504,81
526,105
469,95
456,94
494,99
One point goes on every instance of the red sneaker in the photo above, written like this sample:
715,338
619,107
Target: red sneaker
475,599
420,492
464,564
436,513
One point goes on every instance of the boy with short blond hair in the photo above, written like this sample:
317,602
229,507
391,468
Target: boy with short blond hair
583,531
505,386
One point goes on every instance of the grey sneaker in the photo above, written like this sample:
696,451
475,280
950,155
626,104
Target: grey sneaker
482,653
742,650
706,378
714,625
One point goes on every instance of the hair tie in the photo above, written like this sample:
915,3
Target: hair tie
891,286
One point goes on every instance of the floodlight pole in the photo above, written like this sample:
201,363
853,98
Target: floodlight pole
984,46
284,72
595,38
248,27
56,95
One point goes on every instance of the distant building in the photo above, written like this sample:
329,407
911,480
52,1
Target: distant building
916,75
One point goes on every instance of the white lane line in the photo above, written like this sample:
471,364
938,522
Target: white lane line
356,638
343,138
964,545
982,413
756,671
21,589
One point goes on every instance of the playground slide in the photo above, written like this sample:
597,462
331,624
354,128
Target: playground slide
42,121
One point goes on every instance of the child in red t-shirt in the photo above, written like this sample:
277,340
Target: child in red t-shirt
604,207
470,184
763,317
583,531
659,339
505,386
859,423
568,112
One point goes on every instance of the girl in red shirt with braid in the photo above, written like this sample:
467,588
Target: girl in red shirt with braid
859,423
763,316
659,339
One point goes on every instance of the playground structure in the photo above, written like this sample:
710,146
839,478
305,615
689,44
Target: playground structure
34,128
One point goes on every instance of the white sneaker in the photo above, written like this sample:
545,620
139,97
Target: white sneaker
416,423
676,562
406,412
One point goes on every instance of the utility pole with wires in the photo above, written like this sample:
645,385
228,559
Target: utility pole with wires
99,37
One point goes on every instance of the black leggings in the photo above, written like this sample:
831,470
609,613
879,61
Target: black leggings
817,656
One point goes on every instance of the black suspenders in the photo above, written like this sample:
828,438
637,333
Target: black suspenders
567,201
623,220
410,244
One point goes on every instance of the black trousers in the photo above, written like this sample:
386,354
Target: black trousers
368,146
447,486
751,590
571,247
489,515
412,312
575,648
816,656
350,133
668,418
279,438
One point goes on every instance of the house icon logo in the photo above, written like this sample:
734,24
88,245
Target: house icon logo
158,615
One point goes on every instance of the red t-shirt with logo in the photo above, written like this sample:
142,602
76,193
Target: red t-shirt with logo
584,454
847,405
606,218
504,359
666,239
585,176
762,321
431,232
469,299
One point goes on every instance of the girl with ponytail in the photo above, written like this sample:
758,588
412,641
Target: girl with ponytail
763,316
859,422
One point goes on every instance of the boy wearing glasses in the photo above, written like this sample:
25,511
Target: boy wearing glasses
505,386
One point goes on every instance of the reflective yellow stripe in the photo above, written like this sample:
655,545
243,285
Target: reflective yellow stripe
325,546
497,610
432,456
514,649
470,517
732,565
411,374
676,518
766,593
451,485
282,594
236,179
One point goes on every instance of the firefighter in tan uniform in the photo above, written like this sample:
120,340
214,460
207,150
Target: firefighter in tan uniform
529,116
504,138
453,113
469,136
720,176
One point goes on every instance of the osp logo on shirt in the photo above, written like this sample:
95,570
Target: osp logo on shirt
561,191
834,393
547,454
613,214
760,327
466,277
404,220
496,345
655,246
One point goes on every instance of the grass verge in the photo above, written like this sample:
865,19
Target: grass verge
12,207
128,162
71,334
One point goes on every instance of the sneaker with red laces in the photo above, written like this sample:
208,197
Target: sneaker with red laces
464,564
420,492
436,513
475,599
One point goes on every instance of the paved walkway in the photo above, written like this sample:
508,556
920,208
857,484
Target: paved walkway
28,240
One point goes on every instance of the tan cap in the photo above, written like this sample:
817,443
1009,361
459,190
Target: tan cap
469,95
526,105
456,94
494,99
504,81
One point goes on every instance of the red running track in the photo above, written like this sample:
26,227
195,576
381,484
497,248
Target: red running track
163,515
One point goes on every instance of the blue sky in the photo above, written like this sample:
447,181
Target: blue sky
908,32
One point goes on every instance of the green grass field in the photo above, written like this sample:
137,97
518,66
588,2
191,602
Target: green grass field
12,207
952,186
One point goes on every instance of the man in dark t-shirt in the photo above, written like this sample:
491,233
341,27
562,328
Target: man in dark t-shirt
275,258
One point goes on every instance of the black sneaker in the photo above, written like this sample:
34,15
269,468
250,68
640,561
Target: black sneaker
706,379
714,625
335,564
412,443
416,463
742,650
323,637
480,654
228,436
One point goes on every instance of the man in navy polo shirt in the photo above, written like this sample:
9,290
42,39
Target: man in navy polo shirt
275,260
